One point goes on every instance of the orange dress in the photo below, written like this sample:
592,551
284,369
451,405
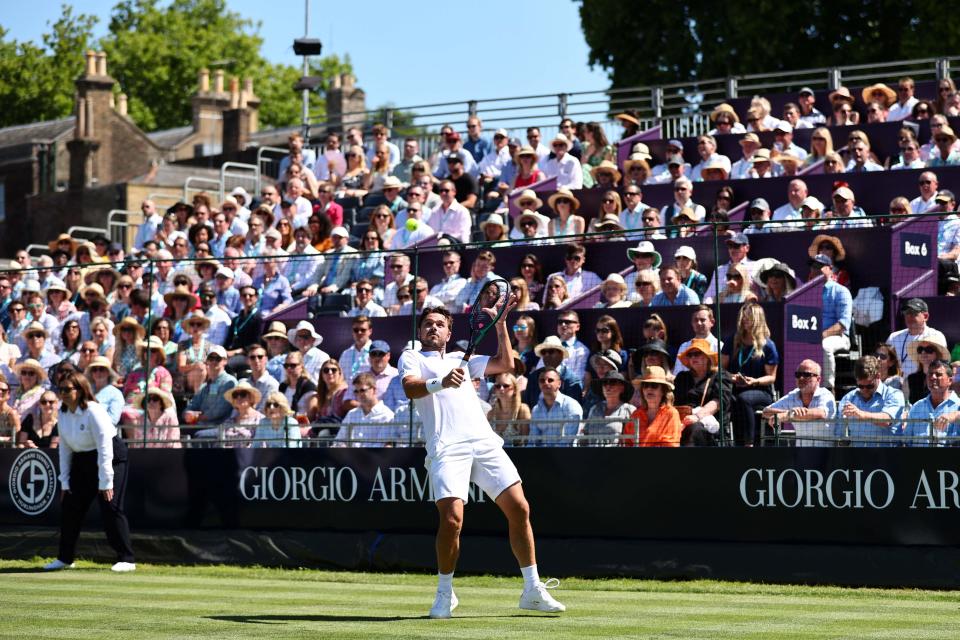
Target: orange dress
664,431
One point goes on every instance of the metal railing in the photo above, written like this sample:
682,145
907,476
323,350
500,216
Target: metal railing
853,432
679,107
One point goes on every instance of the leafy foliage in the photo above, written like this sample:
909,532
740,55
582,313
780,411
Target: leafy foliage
154,51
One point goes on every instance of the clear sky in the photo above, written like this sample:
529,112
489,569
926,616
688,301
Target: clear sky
405,53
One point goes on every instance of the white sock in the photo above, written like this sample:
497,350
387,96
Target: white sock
445,581
530,576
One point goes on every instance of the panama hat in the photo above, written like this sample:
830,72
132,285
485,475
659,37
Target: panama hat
701,345
33,365
607,166
137,399
626,117
563,193
551,342
196,318
129,322
34,327
654,375
276,329
103,363
841,94
527,150
494,219
642,150
943,353
153,344
96,290
528,199
609,222
179,292
242,386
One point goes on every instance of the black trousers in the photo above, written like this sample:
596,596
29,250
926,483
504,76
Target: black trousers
84,489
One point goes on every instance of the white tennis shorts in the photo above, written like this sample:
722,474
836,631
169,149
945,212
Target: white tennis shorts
482,462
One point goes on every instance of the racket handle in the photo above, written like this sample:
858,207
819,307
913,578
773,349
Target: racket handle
466,358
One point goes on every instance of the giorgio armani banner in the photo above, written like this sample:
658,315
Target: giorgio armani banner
861,496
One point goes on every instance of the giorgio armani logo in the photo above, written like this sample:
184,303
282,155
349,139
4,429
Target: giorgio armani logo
33,482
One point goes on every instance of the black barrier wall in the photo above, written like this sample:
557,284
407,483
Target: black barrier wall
857,497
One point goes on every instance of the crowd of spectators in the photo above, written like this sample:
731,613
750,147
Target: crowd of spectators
176,339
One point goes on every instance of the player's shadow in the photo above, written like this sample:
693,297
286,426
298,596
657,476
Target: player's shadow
319,617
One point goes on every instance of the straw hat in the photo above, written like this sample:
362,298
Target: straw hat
551,342
243,385
561,139
529,196
609,222
137,399
32,364
617,279
494,219
636,159
946,130
789,158
527,150
760,155
701,345
645,246
104,363
607,166
180,292
392,182
94,273
723,107
153,344
654,375
541,220
750,137
96,290
304,325
563,193
63,237
196,318
841,94
275,329
838,250
56,284
129,322
626,117
34,327
889,95
642,150
934,339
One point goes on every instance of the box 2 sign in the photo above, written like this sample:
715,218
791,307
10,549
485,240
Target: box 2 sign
916,250
804,324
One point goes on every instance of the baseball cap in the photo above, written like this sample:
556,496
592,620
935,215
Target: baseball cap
805,91
115,247
759,203
225,272
676,144
515,142
738,238
685,252
914,305
945,195
813,203
286,203
843,192
500,132
217,350
339,231
379,346
784,126
821,260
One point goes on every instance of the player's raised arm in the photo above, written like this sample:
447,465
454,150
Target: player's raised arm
503,361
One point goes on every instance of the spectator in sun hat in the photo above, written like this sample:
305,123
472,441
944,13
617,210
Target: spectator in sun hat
562,165
944,140
682,199
783,134
717,167
916,315
749,144
738,246
725,120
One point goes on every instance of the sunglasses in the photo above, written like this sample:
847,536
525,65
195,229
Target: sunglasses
881,356
272,405
257,356
291,365
806,374
930,350
502,385
48,402
65,390
329,370
866,386
239,395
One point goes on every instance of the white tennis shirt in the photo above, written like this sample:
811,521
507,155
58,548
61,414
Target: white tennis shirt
450,415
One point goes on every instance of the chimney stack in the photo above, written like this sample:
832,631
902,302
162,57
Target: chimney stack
203,85
218,81
101,63
91,63
122,104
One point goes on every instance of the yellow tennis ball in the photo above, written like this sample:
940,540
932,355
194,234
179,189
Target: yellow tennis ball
411,224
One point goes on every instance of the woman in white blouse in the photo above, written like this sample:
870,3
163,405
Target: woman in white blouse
93,465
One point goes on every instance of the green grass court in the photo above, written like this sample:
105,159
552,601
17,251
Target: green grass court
235,602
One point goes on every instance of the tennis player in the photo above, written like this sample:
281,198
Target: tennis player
461,447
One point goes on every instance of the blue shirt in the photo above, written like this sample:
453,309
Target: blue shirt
564,422
837,306
478,148
209,399
229,299
268,436
112,400
274,293
886,400
924,410
685,296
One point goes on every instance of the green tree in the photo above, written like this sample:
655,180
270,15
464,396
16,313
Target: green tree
36,83
658,42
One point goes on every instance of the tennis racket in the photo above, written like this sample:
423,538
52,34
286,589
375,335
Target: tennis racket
493,296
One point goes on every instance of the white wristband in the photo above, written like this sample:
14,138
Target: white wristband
434,385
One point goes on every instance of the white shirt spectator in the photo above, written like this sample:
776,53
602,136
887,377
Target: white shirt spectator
367,429
919,205
901,111
582,280
448,289
568,171
900,340
455,221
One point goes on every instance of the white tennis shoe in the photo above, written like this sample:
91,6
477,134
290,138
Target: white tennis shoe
123,567
57,565
444,604
536,598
